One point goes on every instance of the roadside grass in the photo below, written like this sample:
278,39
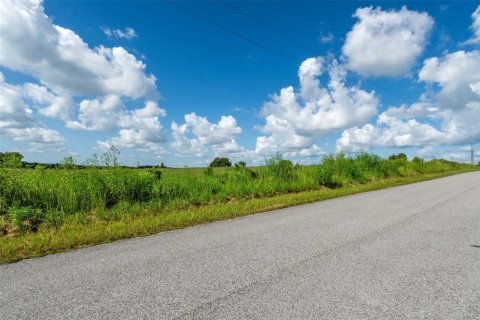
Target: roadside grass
59,232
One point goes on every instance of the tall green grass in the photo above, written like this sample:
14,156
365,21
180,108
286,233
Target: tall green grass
32,198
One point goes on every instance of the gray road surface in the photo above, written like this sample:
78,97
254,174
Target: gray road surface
410,252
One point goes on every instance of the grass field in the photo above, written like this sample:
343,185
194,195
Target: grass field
44,211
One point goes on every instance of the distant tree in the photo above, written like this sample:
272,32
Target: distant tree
110,158
417,160
92,161
11,160
400,156
220,162
68,163
162,165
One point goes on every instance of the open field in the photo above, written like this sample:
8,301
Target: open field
45,211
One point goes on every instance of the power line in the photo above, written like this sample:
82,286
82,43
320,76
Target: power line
228,30
260,45
300,44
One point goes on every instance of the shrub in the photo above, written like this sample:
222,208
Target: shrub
68,163
240,165
325,171
400,156
220,162
280,168
26,218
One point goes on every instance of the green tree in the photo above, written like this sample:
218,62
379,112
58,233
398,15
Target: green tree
400,156
220,162
110,158
68,163
11,160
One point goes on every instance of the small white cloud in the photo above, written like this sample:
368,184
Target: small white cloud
127,33
326,38
386,43
475,27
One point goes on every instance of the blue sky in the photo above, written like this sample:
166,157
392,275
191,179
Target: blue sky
395,93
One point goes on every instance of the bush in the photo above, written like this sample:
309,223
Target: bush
26,218
220,162
336,171
400,156
325,171
280,168
240,165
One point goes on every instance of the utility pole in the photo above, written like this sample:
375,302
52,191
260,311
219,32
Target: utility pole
472,155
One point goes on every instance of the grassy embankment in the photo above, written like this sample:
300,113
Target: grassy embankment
47,211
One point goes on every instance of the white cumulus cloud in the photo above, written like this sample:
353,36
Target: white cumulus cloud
139,129
294,120
197,134
18,122
450,116
386,43
69,70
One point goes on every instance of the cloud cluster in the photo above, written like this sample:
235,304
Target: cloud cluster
128,33
455,106
386,43
62,61
294,120
17,120
139,129
68,69
220,136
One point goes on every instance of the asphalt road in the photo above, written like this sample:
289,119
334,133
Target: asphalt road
409,252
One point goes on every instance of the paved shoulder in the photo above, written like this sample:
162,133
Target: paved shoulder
410,252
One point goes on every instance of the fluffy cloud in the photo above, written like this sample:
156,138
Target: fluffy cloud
475,27
51,105
457,74
295,120
18,122
99,114
386,43
61,60
128,33
389,131
67,70
139,129
220,136
454,108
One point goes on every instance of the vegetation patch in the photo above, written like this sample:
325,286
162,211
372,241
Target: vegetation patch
53,210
